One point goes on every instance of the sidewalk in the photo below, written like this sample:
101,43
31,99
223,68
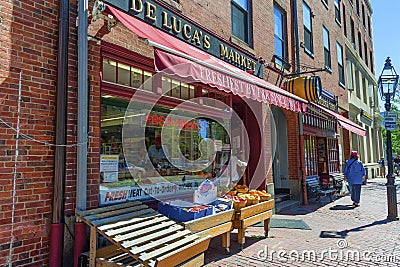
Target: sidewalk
340,236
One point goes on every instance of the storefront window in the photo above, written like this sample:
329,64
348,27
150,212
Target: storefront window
177,88
183,149
333,155
124,74
310,153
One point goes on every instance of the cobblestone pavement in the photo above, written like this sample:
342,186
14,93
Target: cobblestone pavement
340,235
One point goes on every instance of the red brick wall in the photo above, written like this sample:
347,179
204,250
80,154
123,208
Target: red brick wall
293,145
324,17
28,37
28,34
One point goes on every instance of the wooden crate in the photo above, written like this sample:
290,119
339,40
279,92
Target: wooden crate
214,225
141,237
251,215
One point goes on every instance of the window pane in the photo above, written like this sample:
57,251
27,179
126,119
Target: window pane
306,16
242,3
280,33
148,83
307,40
191,91
339,54
123,74
176,89
327,55
184,91
278,22
239,23
326,37
109,70
166,85
341,74
136,77
279,47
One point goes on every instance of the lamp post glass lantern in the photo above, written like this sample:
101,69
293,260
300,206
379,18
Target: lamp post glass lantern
388,82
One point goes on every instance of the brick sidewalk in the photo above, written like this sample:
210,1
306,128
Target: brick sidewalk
342,232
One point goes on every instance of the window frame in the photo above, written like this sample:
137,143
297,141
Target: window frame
327,50
308,50
353,33
326,4
366,53
310,153
344,21
339,47
358,7
281,59
338,16
247,25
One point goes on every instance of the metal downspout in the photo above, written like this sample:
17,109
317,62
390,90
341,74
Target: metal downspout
57,223
82,131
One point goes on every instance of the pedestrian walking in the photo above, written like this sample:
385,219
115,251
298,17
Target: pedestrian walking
354,173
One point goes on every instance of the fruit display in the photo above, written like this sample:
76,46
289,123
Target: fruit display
241,188
238,202
251,196
263,195
251,199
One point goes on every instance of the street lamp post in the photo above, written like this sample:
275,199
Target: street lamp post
387,83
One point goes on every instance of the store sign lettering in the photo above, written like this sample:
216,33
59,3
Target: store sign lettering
156,120
159,17
118,195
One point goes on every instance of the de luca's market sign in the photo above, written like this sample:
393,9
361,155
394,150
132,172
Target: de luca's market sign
161,18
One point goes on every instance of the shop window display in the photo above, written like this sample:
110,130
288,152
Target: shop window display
150,160
162,149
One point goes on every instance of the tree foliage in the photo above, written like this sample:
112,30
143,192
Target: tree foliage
396,133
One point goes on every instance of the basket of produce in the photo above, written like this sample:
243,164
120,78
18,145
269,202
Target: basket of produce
241,188
252,200
238,202
263,195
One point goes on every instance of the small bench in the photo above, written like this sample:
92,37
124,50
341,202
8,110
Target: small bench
315,189
337,179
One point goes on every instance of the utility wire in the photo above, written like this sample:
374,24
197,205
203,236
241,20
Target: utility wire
27,137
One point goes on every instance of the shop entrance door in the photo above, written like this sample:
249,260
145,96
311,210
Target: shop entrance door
322,160
280,164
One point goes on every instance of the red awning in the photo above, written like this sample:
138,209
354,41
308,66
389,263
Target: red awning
345,122
175,57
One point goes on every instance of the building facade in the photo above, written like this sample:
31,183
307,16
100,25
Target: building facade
77,123
362,85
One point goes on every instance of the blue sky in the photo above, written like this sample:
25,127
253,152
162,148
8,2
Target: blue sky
386,32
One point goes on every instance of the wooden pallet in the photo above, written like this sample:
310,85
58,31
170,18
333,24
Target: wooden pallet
140,236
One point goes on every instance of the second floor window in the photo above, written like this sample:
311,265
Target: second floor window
327,49
353,34
279,35
339,49
337,11
241,20
308,40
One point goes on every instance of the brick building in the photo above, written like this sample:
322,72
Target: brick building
361,82
245,45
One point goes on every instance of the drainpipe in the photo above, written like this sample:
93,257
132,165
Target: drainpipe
300,117
57,223
82,131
